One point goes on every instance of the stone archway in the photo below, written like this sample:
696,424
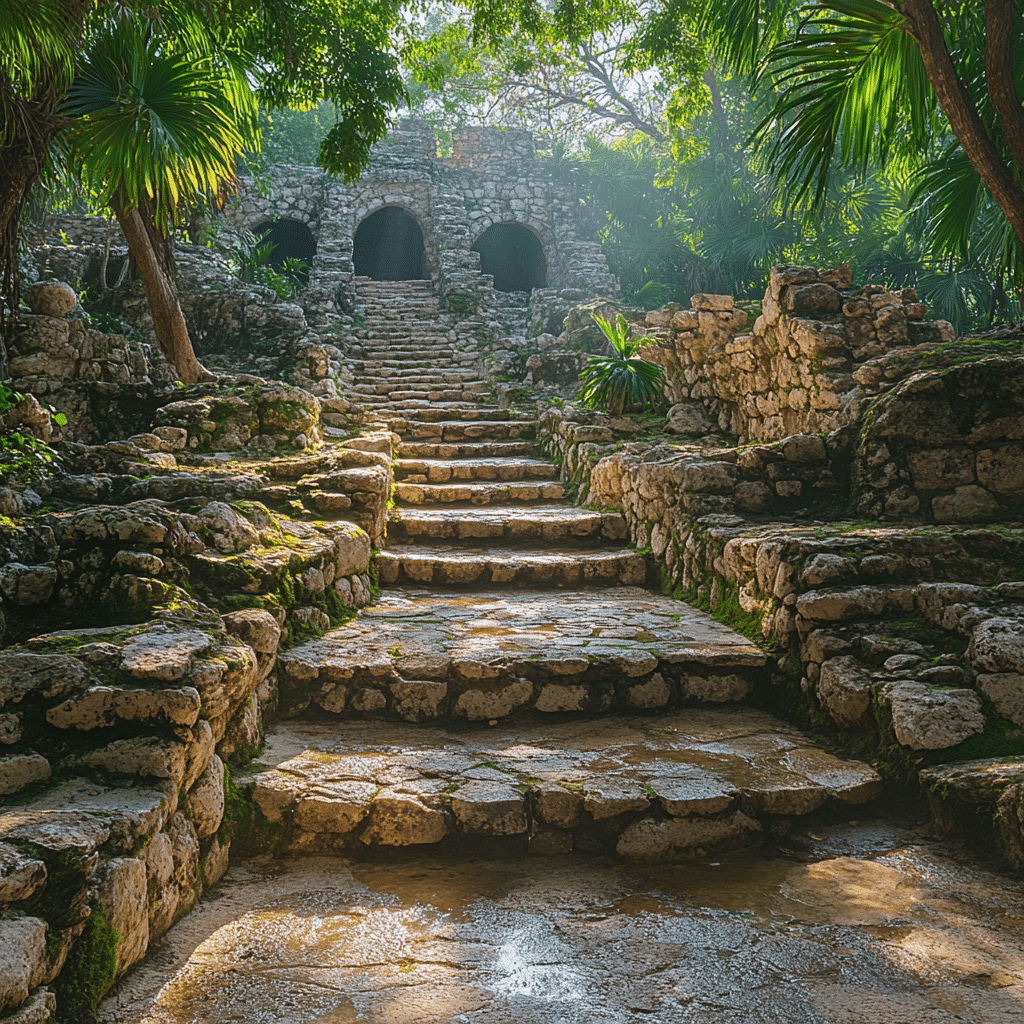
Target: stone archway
514,256
289,239
388,246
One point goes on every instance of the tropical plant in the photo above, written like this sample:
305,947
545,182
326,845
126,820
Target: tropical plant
621,382
23,456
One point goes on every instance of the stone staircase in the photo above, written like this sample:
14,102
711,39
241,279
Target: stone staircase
515,679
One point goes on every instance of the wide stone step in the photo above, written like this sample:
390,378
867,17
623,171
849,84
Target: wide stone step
479,493
523,524
482,656
432,375
470,450
439,471
470,423
445,566
676,786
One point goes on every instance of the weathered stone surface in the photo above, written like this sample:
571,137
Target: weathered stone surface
844,690
122,894
20,874
558,805
102,706
206,799
1006,691
162,654
605,798
22,770
417,701
335,807
489,808
398,819
931,719
649,839
480,705
968,504
23,962
997,645
50,298
696,793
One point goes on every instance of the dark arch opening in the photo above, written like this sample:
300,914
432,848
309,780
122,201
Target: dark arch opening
389,247
288,240
514,256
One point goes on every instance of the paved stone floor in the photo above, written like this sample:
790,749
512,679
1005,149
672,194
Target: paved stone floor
861,923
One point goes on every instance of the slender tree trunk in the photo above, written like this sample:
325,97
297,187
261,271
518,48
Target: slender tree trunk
962,114
168,319
718,109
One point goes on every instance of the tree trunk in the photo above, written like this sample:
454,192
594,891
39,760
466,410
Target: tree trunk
168,319
962,114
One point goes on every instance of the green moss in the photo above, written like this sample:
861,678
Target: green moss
245,826
89,971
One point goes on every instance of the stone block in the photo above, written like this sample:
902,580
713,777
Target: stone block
844,690
400,819
941,468
334,807
650,839
23,962
1006,691
122,894
557,805
1001,470
608,797
712,303
924,718
489,808
699,792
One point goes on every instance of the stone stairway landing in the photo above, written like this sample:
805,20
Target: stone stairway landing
682,784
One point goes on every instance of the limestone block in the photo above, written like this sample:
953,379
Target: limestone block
941,468
479,704
335,807
162,653
200,751
215,863
259,630
27,584
607,797
812,298
225,528
1002,470
20,874
715,688
489,808
40,1008
400,819
234,680
706,477
23,963
844,690
122,894
836,605
929,719
650,839
654,693
1006,691
102,706
206,798
828,568
555,697
22,770
185,855
698,792
803,448
688,418
712,303
997,645
273,793
557,805
148,756
417,700
51,298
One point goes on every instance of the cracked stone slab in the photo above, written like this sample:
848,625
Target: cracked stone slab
497,639
390,784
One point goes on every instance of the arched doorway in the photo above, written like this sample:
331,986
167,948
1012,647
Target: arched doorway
289,240
514,256
389,247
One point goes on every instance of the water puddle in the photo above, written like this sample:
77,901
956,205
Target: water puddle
864,923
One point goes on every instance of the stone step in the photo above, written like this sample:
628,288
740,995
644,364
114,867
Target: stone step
432,375
445,566
477,449
676,786
410,417
439,471
402,397
522,524
479,493
498,429
491,654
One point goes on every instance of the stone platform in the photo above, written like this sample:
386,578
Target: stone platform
678,785
424,654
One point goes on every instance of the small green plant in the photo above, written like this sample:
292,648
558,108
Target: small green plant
252,258
23,457
622,382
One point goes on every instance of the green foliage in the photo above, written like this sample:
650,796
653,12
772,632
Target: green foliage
23,457
252,261
621,382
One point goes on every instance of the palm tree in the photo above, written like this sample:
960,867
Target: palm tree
152,131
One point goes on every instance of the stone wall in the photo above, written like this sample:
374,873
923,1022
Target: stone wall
789,366
137,723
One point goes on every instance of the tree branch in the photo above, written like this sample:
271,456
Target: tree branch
1002,88
963,116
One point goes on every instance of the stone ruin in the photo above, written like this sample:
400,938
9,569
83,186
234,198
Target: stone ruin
839,482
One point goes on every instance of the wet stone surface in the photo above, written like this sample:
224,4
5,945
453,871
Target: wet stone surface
666,788
496,653
855,924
